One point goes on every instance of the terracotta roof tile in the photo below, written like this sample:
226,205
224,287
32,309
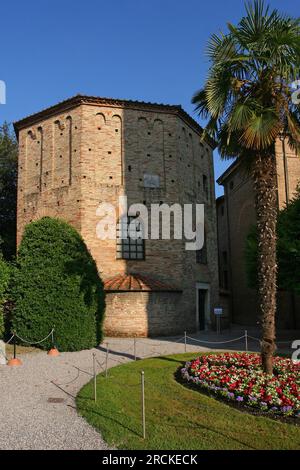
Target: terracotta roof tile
137,283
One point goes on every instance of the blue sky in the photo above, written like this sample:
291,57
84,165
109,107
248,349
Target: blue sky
150,50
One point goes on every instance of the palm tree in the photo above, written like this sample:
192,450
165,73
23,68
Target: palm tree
247,102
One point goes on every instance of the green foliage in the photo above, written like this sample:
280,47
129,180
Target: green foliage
288,248
8,191
56,284
247,101
4,284
247,95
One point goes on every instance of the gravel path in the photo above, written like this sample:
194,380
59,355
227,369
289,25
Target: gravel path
28,420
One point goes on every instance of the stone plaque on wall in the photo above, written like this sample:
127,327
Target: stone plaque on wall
151,181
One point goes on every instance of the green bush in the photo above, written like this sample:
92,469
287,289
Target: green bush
56,284
4,283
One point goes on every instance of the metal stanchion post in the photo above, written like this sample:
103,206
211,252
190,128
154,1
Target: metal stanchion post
95,377
106,361
218,324
134,348
53,351
14,361
143,403
185,341
246,340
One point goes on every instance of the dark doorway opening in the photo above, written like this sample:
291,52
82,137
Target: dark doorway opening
201,308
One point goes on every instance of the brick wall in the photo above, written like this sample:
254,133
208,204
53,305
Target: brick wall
144,314
49,171
239,206
74,160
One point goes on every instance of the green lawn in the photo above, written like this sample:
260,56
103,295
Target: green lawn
176,417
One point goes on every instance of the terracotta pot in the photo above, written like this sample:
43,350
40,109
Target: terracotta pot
53,352
14,362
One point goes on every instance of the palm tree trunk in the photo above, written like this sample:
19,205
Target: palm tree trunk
266,205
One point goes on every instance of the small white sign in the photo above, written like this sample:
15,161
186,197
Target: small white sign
218,311
151,181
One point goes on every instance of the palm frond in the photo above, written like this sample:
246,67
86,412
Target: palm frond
262,130
221,48
219,88
240,115
199,99
247,96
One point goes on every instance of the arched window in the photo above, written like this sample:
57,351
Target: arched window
130,239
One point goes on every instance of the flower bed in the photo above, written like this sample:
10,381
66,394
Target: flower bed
238,377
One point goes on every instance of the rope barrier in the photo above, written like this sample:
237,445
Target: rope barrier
15,335
113,344
161,342
215,342
158,344
125,352
277,342
180,339
7,342
255,339
100,365
71,381
34,342
260,340
148,343
150,353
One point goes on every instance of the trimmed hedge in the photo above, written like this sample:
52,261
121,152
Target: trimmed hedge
56,284
4,283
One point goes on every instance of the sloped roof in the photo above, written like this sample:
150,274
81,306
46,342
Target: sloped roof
222,178
137,283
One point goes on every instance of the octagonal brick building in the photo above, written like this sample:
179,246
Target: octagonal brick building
88,150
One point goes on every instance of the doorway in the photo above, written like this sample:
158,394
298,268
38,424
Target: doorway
203,306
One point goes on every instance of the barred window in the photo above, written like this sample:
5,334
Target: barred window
130,240
201,255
